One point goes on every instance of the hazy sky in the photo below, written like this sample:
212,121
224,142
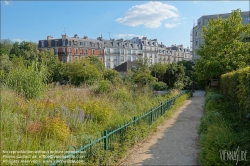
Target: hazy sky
168,21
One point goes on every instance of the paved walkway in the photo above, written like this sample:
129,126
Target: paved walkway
175,142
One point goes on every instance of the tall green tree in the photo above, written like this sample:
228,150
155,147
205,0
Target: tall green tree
224,48
175,76
158,70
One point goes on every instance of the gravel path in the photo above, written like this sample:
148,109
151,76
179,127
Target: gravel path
175,142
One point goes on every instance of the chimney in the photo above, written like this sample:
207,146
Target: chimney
49,37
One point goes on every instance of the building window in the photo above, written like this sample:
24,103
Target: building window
129,58
100,52
115,64
108,64
115,58
42,43
93,52
196,33
76,51
196,42
70,43
56,51
63,43
63,50
93,45
64,59
247,18
56,43
70,58
107,58
122,58
129,51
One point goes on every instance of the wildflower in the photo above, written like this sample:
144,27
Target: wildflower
82,114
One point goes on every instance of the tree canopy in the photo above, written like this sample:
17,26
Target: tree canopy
224,47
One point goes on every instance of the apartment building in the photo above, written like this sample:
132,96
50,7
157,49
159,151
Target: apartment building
119,51
114,52
150,49
196,40
72,48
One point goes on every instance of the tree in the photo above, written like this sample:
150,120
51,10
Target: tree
5,46
141,74
111,75
56,68
224,48
158,70
77,72
175,76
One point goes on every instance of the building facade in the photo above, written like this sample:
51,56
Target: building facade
120,51
114,52
72,48
195,38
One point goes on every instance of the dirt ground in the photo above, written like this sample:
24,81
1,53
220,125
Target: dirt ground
176,140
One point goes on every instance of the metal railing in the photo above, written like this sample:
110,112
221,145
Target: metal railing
108,139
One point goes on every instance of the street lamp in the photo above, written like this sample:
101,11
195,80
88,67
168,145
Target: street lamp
84,66
193,77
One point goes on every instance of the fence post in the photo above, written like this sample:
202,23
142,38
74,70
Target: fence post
151,116
161,109
134,120
106,140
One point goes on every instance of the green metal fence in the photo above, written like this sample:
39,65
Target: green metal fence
109,139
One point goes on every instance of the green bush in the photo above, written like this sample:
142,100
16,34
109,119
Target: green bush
103,86
157,86
29,82
220,129
236,88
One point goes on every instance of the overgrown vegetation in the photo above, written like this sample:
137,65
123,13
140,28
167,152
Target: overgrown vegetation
40,114
222,129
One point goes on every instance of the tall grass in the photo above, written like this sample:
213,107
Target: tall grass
65,116
221,129
29,82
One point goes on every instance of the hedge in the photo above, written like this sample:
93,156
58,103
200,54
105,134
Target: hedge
235,86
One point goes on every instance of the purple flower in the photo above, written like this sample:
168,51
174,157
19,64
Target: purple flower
81,117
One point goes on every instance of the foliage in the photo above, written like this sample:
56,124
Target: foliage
5,46
30,82
103,87
77,72
141,73
95,61
55,128
111,75
158,86
222,52
158,71
56,68
220,129
175,76
236,88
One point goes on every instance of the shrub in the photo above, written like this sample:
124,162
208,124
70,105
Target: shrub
159,86
30,82
103,87
236,88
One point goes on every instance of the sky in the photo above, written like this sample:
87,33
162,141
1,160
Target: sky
168,21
